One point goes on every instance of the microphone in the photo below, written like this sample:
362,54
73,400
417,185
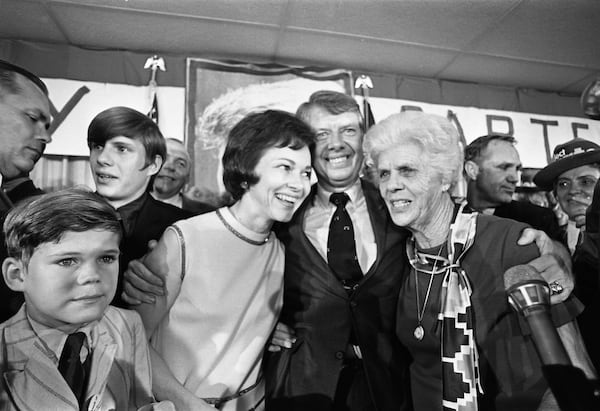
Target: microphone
529,294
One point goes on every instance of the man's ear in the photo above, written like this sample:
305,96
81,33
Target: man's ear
155,166
471,169
13,272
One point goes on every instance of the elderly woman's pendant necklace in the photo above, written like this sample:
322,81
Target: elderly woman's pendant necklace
419,332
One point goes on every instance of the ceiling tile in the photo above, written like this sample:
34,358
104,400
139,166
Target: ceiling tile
259,11
557,31
27,20
506,72
443,24
132,30
363,54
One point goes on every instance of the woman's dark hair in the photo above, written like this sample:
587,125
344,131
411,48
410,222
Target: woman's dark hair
251,137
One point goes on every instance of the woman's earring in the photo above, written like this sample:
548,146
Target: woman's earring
445,187
244,185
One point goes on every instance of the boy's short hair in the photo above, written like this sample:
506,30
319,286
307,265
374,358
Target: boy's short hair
46,218
251,137
130,123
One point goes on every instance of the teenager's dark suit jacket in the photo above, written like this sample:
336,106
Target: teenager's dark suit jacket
152,219
323,314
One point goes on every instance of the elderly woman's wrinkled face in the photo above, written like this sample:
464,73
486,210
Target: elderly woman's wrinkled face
411,188
574,190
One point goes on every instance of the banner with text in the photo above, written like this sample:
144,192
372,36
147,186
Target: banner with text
536,134
75,103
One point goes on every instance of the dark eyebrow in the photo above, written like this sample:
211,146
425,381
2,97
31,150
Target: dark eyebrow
129,142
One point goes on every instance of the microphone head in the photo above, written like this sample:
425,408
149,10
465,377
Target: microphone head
523,273
526,288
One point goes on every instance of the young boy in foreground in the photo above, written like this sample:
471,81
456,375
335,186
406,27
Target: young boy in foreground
66,349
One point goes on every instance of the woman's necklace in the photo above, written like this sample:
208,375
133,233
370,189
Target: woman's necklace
238,234
419,332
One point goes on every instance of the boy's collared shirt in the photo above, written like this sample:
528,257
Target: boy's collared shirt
55,339
129,213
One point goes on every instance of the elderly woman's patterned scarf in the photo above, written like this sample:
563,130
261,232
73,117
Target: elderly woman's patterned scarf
460,360
460,366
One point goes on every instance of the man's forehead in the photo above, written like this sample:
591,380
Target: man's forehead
22,79
499,151
320,117
177,149
30,95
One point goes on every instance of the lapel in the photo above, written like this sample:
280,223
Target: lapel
102,362
135,243
31,376
318,267
379,222
5,202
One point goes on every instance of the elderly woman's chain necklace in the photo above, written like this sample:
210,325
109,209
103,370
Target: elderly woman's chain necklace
419,332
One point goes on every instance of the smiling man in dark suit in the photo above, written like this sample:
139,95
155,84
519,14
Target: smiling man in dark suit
345,356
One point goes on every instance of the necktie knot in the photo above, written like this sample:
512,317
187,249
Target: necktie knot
74,343
339,199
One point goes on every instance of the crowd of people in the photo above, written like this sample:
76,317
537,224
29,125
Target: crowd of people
354,293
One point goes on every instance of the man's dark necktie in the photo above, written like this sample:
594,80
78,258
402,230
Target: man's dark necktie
73,371
341,249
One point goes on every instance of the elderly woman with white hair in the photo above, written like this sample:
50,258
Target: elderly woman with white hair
468,349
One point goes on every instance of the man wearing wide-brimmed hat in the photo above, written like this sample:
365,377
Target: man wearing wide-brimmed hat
572,176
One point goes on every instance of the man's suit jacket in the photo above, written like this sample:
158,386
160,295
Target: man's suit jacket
120,375
323,314
153,218
540,218
24,190
195,206
586,268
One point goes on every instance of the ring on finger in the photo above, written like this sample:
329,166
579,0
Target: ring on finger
555,288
